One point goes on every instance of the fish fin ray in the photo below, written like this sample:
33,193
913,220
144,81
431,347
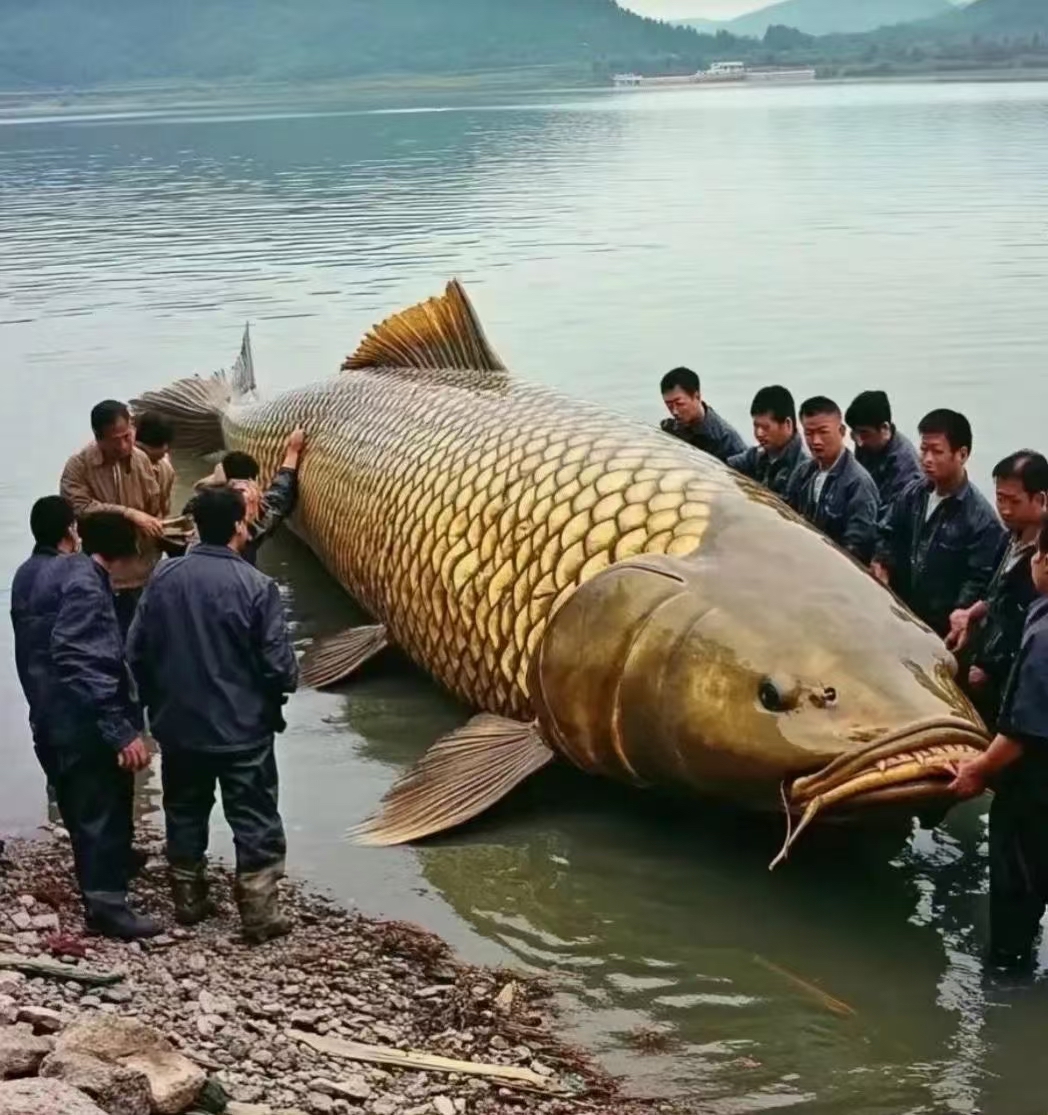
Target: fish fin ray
335,658
458,778
442,332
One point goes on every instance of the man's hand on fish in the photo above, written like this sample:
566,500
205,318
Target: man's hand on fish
969,780
293,450
977,677
135,756
880,572
147,524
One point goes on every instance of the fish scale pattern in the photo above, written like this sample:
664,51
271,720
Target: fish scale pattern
462,508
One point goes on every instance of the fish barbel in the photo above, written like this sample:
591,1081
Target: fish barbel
594,588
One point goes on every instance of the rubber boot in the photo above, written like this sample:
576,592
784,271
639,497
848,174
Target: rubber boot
259,906
190,892
137,862
108,915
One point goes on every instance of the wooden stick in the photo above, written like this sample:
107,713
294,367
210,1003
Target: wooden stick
835,1006
51,969
425,1062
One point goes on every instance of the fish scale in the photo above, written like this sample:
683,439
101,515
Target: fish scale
463,517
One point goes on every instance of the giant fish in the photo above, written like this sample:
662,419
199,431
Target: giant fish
593,588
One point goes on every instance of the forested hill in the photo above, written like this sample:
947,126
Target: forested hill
91,42
1000,17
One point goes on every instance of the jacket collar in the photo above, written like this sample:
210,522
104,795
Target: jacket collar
204,549
961,495
44,551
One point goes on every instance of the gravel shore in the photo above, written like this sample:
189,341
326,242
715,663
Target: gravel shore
265,1023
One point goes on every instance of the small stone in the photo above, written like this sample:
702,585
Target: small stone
215,1004
320,1104
113,995
26,900
11,979
44,1097
305,1019
384,1107
248,1109
352,1088
21,920
239,1048
43,1020
197,963
46,922
93,1001
118,1090
262,1056
174,1081
442,1105
541,1069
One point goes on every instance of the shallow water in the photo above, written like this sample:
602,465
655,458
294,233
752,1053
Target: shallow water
832,238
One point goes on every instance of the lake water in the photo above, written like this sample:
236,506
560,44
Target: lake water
832,238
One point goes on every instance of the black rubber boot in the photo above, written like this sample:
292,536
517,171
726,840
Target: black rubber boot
109,915
190,892
259,906
137,862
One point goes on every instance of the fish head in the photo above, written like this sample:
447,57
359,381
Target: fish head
776,665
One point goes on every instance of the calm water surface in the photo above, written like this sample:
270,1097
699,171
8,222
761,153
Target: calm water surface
831,238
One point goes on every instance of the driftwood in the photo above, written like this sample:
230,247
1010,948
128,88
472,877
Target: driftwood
830,1002
424,1062
52,969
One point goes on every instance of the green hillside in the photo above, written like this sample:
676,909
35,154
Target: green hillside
828,17
1000,17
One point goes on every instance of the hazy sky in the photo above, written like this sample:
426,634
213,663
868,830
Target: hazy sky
684,9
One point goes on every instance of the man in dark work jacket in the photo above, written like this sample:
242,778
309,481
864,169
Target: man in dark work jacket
886,454
779,451
694,420
211,652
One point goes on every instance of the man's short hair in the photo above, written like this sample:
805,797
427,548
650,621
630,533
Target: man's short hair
154,430
684,378
1027,466
951,425
776,401
106,414
869,410
50,520
109,534
240,466
818,405
216,512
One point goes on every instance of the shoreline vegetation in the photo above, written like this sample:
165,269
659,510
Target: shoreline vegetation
347,1015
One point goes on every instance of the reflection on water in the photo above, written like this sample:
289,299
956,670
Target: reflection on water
832,238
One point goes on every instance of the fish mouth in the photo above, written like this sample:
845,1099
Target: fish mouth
911,764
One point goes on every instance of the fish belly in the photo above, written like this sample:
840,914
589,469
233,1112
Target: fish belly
462,509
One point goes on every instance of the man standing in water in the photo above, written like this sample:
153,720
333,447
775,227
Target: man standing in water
210,650
991,629
879,447
941,541
113,474
1016,765
832,490
780,448
695,421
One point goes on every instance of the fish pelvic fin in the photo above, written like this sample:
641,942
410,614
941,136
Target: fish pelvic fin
441,332
458,778
333,659
195,405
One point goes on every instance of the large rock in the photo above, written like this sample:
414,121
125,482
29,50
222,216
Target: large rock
117,1089
44,1097
174,1081
21,1051
110,1037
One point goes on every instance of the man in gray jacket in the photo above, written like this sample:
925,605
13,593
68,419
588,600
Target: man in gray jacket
214,662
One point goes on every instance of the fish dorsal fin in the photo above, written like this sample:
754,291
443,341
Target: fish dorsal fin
438,333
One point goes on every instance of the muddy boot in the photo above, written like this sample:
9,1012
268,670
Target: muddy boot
108,915
256,896
190,892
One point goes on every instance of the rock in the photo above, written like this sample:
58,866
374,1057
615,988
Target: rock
46,922
21,920
117,1090
320,1104
197,963
174,1081
43,1020
442,1105
44,1097
305,1019
11,979
248,1109
216,1004
352,1088
111,1038
116,995
213,1097
262,1056
21,1051
384,1107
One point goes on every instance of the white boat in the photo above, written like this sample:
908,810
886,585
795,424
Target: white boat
719,73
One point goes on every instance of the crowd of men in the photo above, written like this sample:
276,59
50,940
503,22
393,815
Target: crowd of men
978,578
108,636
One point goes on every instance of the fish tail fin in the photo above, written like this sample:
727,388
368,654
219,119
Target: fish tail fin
195,405
458,778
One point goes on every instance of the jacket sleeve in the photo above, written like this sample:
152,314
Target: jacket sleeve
860,532
795,488
892,531
138,647
279,664
744,462
1024,708
75,488
278,502
982,561
87,653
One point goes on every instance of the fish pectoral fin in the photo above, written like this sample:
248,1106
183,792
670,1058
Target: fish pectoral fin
459,777
442,332
334,658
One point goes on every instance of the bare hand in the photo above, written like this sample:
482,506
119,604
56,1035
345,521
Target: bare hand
135,756
147,524
977,677
960,630
969,780
297,441
880,572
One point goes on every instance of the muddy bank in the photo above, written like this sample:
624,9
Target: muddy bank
272,1026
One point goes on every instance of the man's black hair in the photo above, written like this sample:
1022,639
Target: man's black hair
951,425
1027,466
109,534
684,378
869,410
240,466
819,404
776,401
154,430
216,512
50,520
107,413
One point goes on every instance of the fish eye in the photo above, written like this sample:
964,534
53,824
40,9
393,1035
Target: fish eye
830,694
771,696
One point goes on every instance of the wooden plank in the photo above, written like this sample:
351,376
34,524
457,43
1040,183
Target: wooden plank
52,969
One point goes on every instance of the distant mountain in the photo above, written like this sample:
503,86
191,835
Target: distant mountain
703,26
831,17
999,17
92,42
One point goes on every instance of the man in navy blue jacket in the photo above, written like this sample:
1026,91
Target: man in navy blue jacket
211,652
85,722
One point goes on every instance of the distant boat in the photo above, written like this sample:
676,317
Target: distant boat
719,73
